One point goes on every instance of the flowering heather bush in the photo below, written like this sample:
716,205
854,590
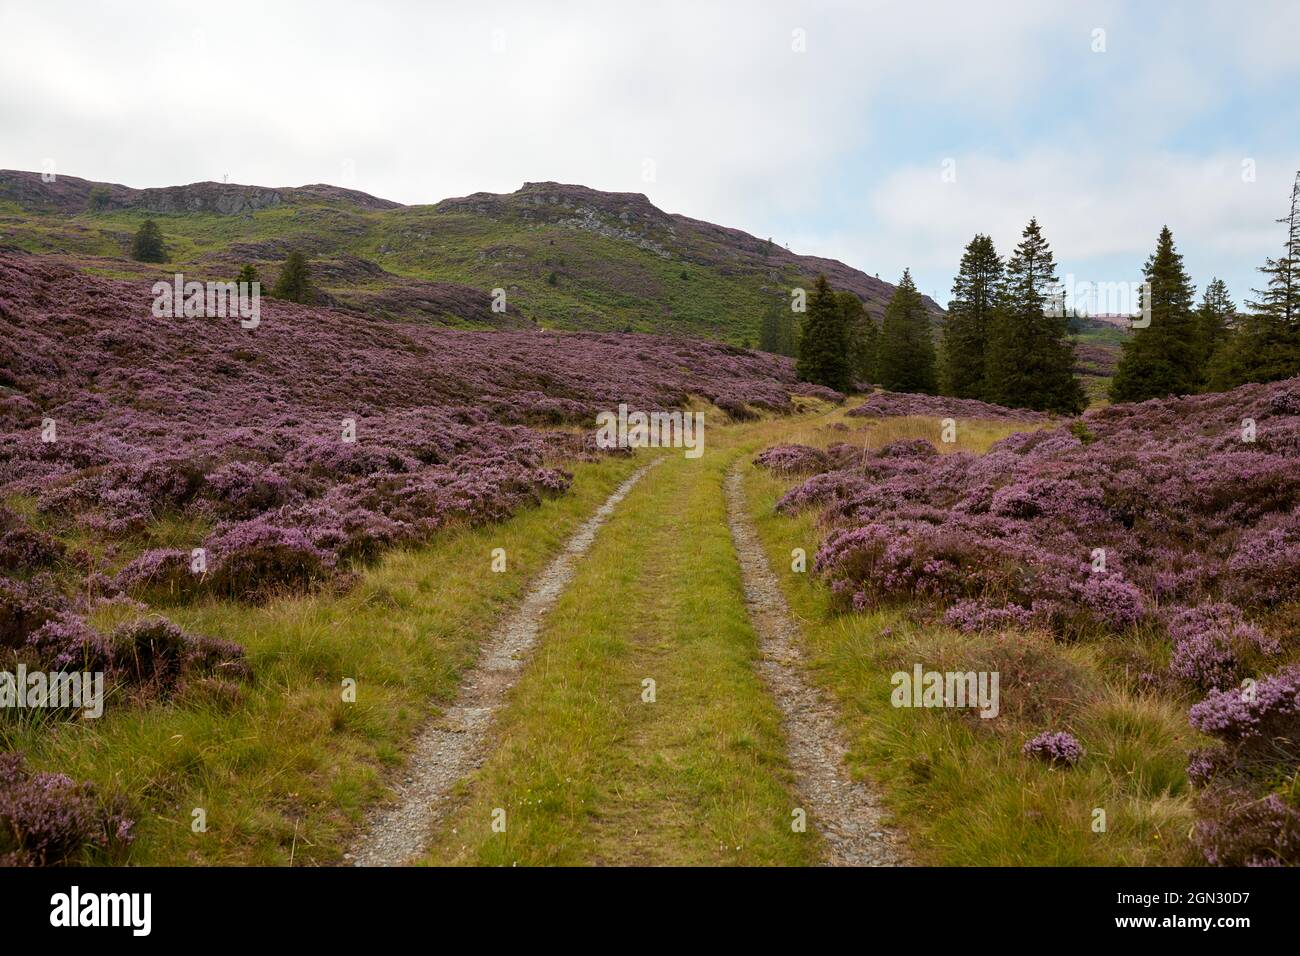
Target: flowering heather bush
165,570
1058,748
149,653
155,652
971,616
793,459
1111,600
824,489
1265,566
23,548
1239,828
68,643
906,448
1267,720
1285,401
46,819
1242,820
1182,511
244,489
1211,642
888,404
205,419
254,558
25,606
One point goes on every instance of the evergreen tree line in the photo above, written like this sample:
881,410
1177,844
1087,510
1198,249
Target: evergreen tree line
1208,346
1002,341
1186,347
838,344
1005,339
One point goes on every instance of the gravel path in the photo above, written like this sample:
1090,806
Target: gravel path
845,811
455,743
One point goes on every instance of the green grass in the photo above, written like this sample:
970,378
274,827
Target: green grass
588,772
958,783
603,283
284,767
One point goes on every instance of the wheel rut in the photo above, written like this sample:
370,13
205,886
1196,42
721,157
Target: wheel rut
845,811
456,742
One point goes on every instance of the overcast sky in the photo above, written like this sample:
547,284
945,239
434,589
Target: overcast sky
882,134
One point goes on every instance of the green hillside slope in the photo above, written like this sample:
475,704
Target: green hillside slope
568,257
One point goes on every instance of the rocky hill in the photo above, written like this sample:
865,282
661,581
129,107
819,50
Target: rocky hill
566,256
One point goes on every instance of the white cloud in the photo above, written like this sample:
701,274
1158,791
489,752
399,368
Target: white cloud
1101,212
835,150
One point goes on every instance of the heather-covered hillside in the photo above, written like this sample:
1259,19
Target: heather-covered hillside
251,430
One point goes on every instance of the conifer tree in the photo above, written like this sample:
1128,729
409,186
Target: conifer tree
1162,358
860,332
823,345
1266,344
1216,317
905,360
1280,298
1029,358
294,283
148,243
966,329
248,274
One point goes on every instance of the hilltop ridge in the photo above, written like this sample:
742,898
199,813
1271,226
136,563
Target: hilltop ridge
567,256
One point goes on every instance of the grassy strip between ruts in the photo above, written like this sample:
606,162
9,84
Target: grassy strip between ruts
586,769
284,769
958,783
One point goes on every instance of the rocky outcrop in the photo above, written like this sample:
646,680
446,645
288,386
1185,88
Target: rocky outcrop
631,217
70,194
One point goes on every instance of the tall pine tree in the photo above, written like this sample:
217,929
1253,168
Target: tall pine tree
1266,344
1029,358
1216,318
905,359
1163,357
823,344
860,334
965,332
